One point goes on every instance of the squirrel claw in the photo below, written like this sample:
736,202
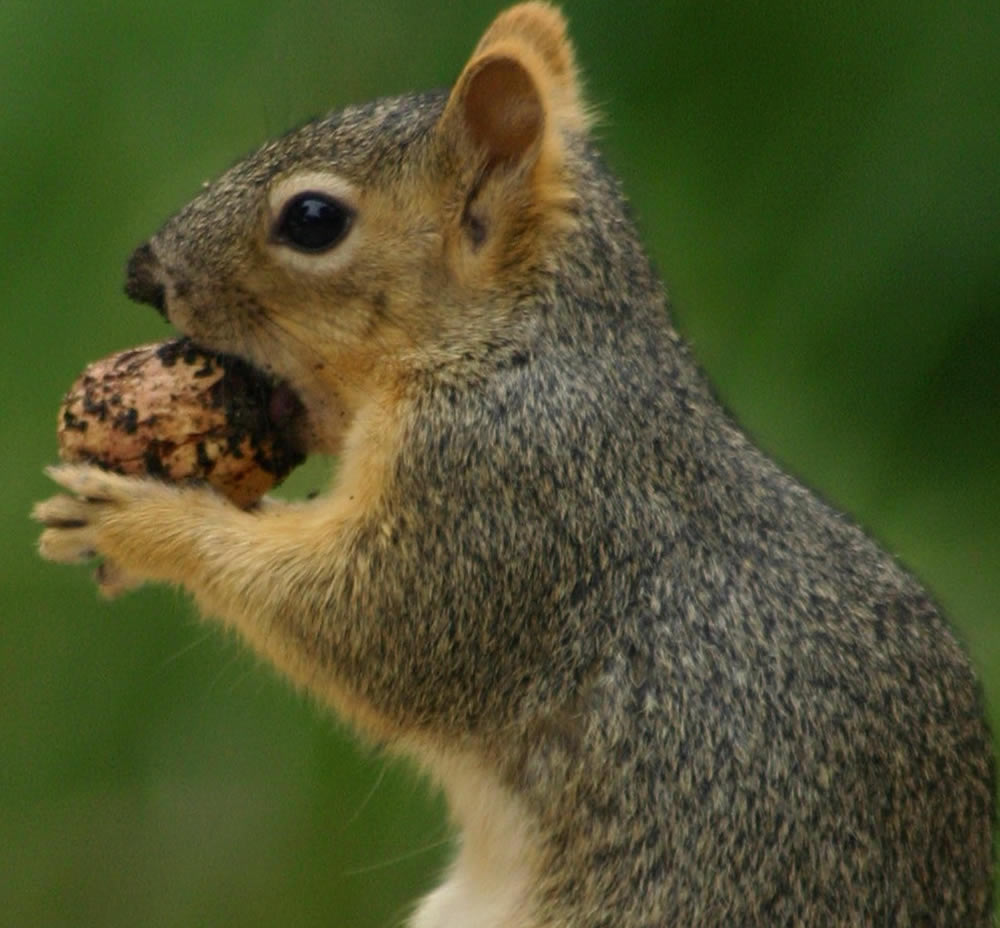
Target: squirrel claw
91,483
113,580
69,530
62,512
67,546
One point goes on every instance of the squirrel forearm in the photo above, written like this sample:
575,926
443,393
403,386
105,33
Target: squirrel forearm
280,578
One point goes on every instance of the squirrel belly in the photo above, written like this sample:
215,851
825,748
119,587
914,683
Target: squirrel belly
659,680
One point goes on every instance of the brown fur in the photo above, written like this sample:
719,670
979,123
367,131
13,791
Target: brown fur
660,682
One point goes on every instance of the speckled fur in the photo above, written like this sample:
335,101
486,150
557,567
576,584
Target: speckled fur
662,683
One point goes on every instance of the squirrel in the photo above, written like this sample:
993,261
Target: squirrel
660,682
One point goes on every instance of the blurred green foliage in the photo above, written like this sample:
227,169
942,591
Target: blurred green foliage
821,184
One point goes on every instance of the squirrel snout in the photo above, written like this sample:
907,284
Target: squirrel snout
142,282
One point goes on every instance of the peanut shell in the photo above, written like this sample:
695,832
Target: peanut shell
176,411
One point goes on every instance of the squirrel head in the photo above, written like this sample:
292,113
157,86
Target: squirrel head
386,237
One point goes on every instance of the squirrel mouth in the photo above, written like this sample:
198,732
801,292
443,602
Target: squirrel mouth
288,415
273,400
284,406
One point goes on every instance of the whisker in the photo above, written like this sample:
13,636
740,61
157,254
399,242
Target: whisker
373,789
190,646
399,858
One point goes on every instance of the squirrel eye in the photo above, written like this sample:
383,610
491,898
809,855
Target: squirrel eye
313,222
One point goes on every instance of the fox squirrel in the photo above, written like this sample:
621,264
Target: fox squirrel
658,680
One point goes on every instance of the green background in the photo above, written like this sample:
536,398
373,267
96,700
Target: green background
820,184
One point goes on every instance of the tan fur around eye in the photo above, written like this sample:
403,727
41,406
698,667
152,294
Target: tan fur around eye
327,182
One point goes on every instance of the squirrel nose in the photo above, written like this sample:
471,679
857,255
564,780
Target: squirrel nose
142,283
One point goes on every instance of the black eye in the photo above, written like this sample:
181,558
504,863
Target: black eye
313,222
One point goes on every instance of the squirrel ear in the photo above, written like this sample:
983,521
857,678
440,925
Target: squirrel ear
541,27
520,82
501,106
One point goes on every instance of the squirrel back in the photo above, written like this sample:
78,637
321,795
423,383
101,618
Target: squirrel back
660,681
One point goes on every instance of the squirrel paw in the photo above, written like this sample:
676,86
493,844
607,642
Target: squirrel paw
74,525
